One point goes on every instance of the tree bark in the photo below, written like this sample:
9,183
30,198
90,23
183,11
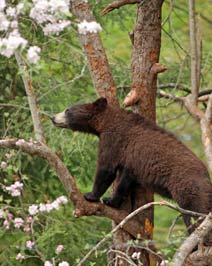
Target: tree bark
95,54
142,97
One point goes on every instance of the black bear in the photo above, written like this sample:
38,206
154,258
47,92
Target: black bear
143,154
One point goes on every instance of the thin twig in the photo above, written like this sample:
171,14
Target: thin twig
193,48
173,225
31,98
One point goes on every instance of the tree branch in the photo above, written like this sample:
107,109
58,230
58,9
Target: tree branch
130,216
39,136
192,241
95,53
206,130
169,96
194,56
82,207
117,4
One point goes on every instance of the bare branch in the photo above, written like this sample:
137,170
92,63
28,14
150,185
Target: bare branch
194,56
169,96
31,98
199,52
130,216
193,110
192,241
174,86
117,4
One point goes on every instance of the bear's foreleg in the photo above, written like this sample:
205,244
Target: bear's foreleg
104,178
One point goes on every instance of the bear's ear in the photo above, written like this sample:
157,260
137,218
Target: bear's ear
100,104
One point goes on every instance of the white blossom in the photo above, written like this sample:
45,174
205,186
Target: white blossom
55,28
6,224
11,12
89,27
15,189
48,263
10,44
2,4
30,244
63,263
59,6
3,164
4,22
27,228
2,213
8,155
14,24
33,54
49,207
136,255
42,207
62,199
59,248
20,257
20,142
47,14
20,8
18,222
33,209
164,263
55,205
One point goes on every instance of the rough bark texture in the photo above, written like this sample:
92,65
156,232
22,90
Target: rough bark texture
145,57
194,56
95,53
146,51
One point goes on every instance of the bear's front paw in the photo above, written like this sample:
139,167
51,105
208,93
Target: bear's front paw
111,202
90,197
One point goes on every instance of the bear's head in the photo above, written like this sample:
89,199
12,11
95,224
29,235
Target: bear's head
82,117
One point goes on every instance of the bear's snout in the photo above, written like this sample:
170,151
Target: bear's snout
60,120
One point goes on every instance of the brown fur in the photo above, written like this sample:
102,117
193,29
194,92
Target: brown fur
144,154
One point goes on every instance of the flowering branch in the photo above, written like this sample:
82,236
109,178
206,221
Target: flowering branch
82,207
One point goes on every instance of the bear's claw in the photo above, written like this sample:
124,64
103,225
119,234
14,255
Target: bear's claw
111,202
90,197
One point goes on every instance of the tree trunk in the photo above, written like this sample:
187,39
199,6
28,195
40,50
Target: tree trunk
146,40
